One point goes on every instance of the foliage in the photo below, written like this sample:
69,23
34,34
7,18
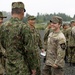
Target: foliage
42,19
40,26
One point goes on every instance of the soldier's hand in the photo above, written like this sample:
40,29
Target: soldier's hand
55,66
34,72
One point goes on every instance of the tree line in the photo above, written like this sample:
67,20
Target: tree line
42,18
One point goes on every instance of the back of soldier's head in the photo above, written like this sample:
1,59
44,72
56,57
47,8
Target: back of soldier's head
18,7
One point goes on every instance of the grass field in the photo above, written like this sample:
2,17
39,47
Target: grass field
40,26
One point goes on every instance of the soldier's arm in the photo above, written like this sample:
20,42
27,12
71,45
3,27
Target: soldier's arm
46,35
60,52
45,39
40,41
2,50
30,56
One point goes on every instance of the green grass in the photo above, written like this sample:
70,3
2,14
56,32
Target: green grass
40,26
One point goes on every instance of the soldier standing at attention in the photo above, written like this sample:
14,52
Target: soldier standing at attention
37,43
2,51
56,49
16,39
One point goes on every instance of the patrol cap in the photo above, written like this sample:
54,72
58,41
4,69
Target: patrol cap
72,21
65,24
18,5
31,17
56,19
2,16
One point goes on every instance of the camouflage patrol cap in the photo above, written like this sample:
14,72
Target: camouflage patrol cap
1,15
56,19
65,24
31,17
72,21
18,5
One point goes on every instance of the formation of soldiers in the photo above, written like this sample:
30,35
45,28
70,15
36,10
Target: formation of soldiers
20,45
68,30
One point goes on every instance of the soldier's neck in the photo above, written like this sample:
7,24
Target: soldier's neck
57,30
16,16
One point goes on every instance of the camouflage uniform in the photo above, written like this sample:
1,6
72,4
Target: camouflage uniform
37,45
2,51
71,46
66,32
55,52
16,39
47,31
65,29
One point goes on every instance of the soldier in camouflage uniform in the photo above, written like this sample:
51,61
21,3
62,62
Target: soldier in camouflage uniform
47,31
71,44
56,49
16,39
66,31
2,51
37,43
66,27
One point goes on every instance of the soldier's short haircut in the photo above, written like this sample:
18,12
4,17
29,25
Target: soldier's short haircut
17,10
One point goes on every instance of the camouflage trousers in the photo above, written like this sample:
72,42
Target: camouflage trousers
48,70
2,66
17,67
36,62
2,71
71,55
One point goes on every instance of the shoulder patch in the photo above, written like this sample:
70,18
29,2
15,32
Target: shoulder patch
63,46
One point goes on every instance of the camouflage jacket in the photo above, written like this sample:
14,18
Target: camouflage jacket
16,39
47,31
67,32
36,38
55,52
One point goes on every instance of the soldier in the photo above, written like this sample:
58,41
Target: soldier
65,26
66,31
16,39
47,31
37,43
2,51
1,17
56,49
71,44
72,23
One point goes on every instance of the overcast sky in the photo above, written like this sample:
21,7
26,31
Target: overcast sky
42,6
